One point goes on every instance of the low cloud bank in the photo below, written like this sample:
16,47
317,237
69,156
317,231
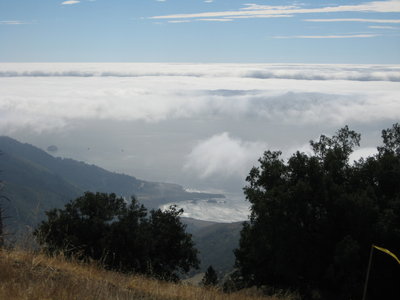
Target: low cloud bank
258,71
212,120
48,103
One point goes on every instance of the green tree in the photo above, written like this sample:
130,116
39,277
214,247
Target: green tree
123,236
210,277
314,218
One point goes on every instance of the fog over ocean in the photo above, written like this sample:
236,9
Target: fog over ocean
199,125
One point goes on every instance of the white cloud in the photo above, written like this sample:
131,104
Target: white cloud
362,153
70,2
383,27
254,10
224,156
179,21
250,6
162,114
202,20
215,20
13,22
261,17
257,71
374,6
51,96
347,36
355,20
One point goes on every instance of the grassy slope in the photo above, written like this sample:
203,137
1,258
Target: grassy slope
24,275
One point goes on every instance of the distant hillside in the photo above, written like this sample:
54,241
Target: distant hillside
36,181
216,244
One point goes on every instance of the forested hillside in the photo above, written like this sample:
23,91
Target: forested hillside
37,181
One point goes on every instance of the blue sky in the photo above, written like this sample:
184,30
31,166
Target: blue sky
334,31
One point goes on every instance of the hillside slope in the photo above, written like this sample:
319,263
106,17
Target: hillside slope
216,242
36,181
24,275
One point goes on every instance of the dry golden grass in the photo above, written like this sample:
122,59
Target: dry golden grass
25,275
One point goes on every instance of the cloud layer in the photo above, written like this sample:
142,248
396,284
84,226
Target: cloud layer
201,125
261,71
50,97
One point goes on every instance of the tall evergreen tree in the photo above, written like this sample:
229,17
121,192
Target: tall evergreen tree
210,277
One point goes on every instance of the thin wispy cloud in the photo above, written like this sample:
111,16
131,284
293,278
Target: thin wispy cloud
199,20
13,22
215,20
374,6
349,36
254,10
355,20
70,2
178,21
383,27
261,16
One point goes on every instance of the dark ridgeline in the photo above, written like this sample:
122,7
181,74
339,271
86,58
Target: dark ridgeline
37,181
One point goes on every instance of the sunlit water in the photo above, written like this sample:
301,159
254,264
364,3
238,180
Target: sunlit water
232,208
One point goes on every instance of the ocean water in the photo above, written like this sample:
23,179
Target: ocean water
232,208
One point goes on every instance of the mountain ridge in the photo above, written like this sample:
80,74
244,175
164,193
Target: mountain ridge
32,177
36,181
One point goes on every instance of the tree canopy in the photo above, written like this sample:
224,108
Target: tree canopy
123,236
315,216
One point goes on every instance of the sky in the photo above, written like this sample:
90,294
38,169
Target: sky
200,31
